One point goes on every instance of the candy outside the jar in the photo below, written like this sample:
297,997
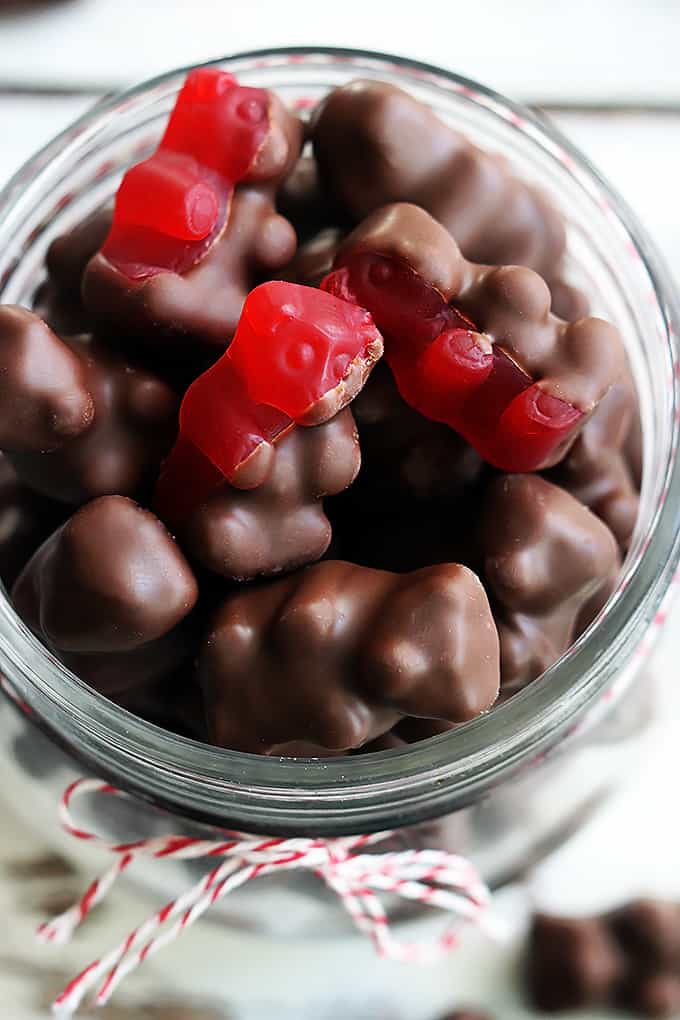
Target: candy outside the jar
475,347
628,960
298,357
172,207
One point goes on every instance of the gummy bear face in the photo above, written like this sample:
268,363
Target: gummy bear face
294,344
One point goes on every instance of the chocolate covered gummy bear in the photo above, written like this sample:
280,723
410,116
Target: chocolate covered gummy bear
334,655
195,226
376,144
280,524
627,959
549,565
474,346
77,419
110,593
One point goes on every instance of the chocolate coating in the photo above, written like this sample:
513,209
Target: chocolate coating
281,523
377,144
58,299
44,396
577,362
568,302
107,592
79,420
628,959
649,931
573,963
596,470
334,655
202,306
68,255
653,995
545,560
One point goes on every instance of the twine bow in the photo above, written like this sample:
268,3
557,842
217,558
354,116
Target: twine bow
431,877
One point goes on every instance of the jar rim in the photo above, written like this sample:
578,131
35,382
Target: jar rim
390,788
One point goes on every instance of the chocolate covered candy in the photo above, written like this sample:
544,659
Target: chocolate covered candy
653,995
596,470
573,963
334,655
180,268
78,420
476,347
548,564
629,959
281,523
649,931
298,358
45,400
377,144
108,593
392,637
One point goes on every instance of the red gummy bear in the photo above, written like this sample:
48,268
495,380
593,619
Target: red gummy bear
298,357
402,266
450,372
171,208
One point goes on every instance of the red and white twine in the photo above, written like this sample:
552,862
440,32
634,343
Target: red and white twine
431,877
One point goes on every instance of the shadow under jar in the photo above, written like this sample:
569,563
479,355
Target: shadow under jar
501,789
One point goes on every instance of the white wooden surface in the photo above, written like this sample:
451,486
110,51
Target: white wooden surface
575,58
585,49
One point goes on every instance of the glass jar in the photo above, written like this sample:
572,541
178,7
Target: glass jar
502,789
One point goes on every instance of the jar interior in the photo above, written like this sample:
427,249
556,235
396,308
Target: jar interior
80,172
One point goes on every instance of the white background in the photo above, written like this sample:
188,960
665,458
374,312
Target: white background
609,74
